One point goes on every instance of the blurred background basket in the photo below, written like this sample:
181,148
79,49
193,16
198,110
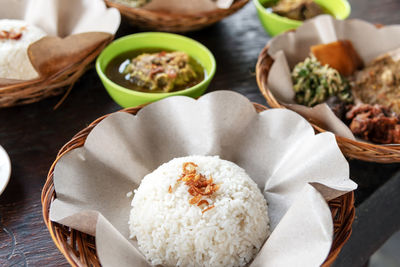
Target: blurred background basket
171,22
35,90
80,249
351,148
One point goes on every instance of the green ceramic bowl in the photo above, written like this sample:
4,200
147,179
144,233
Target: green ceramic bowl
275,24
130,98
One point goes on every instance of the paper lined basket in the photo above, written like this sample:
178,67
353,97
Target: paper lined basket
31,91
351,148
80,249
76,32
170,22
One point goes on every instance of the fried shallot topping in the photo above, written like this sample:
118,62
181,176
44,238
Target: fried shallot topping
208,208
199,185
12,34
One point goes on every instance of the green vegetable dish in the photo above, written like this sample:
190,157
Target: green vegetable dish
314,83
155,71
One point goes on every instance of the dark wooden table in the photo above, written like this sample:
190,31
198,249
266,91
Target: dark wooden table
33,134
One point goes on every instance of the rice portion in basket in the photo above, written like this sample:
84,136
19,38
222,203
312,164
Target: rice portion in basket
15,38
199,211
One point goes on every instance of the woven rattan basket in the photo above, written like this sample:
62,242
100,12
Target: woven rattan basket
36,90
80,249
170,22
351,148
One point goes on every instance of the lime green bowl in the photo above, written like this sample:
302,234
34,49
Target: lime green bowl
130,98
275,24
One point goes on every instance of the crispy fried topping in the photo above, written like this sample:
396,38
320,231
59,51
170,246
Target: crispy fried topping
195,199
203,201
208,208
199,185
12,34
189,168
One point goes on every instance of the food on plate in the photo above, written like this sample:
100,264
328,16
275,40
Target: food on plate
199,211
374,123
379,82
15,38
339,55
155,71
297,9
314,83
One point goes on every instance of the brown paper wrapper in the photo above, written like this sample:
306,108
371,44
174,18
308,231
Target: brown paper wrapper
296,170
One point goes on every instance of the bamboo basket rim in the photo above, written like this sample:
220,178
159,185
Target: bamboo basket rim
174,22
163,13
351,148
79,248
171,14
31,91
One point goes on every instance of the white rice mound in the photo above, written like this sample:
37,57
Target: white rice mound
172,232
14,61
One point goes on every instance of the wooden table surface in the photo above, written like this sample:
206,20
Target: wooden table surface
33,134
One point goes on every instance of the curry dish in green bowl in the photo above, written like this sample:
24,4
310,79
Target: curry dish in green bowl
146,67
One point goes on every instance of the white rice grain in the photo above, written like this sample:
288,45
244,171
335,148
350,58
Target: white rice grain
14,60
172,232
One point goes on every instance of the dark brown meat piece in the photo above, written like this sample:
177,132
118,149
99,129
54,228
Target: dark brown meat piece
374,123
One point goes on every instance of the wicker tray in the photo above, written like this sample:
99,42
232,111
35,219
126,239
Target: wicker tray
351,148
36,90
80,249
163,21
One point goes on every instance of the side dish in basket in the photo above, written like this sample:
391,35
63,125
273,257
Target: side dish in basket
199,211
366,98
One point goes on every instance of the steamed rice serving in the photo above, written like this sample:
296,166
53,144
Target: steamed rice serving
199,211
15,38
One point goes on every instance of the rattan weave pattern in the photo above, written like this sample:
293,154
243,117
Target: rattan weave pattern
38,89
171,22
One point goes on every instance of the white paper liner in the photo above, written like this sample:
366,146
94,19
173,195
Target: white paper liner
277,148
63,17
290,48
